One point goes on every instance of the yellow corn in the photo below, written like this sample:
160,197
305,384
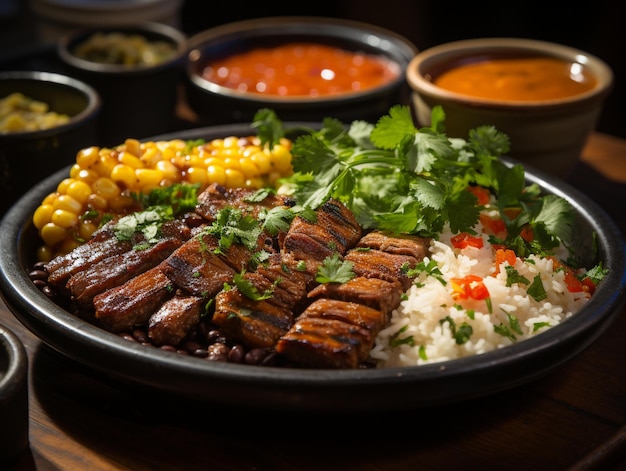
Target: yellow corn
103,181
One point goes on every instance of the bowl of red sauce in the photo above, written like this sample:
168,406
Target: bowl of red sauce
546,97
305,68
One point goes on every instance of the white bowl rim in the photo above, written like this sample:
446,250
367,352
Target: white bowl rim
421,84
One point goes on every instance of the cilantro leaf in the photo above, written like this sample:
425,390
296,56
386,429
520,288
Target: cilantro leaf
334,270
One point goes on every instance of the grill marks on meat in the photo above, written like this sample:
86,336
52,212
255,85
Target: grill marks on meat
325,326
332,333
217,197
115,270
336,230
121,308
339,328
103,244
173,321
260,323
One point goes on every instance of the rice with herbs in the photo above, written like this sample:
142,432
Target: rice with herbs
436,322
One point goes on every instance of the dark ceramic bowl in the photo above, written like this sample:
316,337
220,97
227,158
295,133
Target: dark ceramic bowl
361,390
137,100
28,157
13,397
216,104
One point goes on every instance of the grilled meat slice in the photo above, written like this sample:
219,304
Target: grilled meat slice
383,265
217,197
115,270
287,279
335,230
253,323
397,244
103,244
201,267
376,293
132,303
332,333
175,319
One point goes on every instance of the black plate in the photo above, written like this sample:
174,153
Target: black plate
311,390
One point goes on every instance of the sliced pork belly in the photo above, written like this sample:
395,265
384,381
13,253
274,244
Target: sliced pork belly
115,270
253,323
397,244
332,333
175,319
335,230
132,303
376,293
383,265
217,197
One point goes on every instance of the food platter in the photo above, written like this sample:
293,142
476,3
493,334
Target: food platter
311,389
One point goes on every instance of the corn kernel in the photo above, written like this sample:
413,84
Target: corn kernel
216,174
53,234
234,178
133,146
124,176
282,160
97,202
147,177
45,253
170,171
197,175
87,157
42,215
106,188
86,228
63,218
79,190
64,185
131,160
121,203
67,203
87,176
262,161
248,168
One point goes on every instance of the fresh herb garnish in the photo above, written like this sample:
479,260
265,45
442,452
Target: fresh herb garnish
396,177
334,270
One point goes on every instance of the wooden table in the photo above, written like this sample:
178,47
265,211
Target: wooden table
573,418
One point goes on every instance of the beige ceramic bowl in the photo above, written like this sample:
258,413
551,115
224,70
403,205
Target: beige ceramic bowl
548,134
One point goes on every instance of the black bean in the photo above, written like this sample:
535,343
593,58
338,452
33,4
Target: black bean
48,291
168,348
200,352
215,336
40,284
255,356
236,354
38,275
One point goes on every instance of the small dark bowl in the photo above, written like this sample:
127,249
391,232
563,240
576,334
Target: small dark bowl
216,104
13,397
28,157
138,100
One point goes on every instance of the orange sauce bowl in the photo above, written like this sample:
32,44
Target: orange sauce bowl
305,68
546,97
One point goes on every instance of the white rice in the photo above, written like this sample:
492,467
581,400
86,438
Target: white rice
429,302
